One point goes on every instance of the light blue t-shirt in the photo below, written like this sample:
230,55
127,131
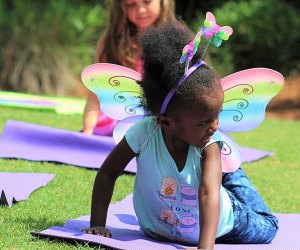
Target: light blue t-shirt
166,200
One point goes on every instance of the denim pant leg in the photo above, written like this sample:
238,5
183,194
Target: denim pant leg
253,221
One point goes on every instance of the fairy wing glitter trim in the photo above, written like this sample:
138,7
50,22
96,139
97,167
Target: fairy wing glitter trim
116,87
246,95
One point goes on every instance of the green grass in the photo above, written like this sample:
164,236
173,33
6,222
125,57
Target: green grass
68,195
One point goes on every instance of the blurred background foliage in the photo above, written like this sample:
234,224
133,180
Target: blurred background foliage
44,44
266,34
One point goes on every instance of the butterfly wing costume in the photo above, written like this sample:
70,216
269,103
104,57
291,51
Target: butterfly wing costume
246,93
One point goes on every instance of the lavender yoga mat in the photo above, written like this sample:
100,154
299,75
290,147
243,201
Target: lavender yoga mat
253,154
41,143
128,235
16,187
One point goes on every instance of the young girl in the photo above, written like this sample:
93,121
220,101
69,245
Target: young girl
119,45
180,194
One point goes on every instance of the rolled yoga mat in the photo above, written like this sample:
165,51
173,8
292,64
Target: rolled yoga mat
60,105
128,235
16,187
41,143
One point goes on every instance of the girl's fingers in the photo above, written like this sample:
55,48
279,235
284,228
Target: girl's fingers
108,234
98,231
104,232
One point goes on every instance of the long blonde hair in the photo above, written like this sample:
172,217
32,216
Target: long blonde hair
120,38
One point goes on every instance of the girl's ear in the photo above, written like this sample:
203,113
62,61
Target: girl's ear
164,121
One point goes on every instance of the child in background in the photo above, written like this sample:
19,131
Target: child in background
180,194
119,45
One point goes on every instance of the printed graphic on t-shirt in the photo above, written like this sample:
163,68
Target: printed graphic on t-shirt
167,217
188,223
168,189
188,196
176,213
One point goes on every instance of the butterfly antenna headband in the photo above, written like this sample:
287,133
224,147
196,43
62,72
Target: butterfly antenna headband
213,34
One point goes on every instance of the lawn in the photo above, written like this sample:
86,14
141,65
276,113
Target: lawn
68,195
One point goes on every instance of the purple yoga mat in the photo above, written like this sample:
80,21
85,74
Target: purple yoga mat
128,235
16,187
253,154
41,143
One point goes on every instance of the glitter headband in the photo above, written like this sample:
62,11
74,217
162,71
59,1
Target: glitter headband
213,34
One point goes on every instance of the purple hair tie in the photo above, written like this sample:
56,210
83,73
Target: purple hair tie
180,82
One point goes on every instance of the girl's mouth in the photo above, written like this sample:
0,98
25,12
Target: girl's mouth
206,139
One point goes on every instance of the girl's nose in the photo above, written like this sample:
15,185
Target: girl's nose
141,8
213,126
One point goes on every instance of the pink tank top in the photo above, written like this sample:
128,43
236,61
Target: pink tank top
139,65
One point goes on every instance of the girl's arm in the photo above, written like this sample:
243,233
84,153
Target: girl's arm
91,113
110,170
92,106
209,196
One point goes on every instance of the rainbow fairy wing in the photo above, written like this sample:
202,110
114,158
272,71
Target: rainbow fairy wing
123,125
246,95
230,154
116,87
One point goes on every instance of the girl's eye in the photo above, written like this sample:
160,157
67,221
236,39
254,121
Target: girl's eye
130,5
203,124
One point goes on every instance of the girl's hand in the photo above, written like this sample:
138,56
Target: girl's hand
98,231
88,131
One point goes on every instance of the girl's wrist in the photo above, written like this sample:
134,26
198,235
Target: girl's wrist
88,130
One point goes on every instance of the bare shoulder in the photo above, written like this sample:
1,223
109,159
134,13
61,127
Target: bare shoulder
212,151
211,166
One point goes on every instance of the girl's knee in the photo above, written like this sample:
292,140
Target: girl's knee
266,230
270,236
275,228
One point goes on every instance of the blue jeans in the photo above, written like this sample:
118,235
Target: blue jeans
253,221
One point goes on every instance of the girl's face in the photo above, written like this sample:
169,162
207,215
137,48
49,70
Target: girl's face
142,13
196,128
